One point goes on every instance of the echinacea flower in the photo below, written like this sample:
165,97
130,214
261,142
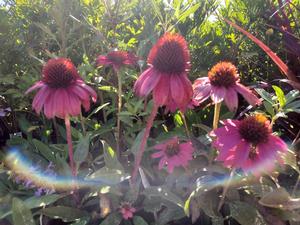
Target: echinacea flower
61,90
169,61
248,144
127,211
173,154
117,59
221,84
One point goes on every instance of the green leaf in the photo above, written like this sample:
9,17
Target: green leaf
108,176
188,12
170,213
82,149
44,150
108,89
67,214
137,220
137,142
177,119
280,95
110,157
164,193
269,108
112,219
244,213
265,95
291,96
40,201
21,215
98,109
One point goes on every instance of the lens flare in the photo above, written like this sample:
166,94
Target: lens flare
23,168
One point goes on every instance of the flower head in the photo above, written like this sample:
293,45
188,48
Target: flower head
61,90
173,154
167,75
127,210
117,59
248,144
221,84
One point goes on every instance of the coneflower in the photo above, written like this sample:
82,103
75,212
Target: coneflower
61,94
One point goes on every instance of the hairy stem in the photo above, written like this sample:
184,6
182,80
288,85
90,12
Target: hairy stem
70,145
119,111
143,143
216,115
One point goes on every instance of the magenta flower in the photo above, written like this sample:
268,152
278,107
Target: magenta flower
61,90
173,154
167,75
127,211
221,84
248,144
117,59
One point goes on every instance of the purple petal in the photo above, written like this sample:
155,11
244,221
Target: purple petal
218,94
247,94
231,99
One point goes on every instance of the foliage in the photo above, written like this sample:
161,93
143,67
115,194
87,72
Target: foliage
33,31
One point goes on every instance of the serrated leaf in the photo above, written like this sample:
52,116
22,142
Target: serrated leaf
67,214
280,95
20,213
82,149
112,219
137,220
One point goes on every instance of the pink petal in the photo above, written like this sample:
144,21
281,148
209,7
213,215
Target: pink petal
103,60
162,163
161,91
40,98
177,90
231,99
157,154
202,81
37,85
74,108
138,83
149,83
201,93
218,94
247,94
241,154
49,108
88,89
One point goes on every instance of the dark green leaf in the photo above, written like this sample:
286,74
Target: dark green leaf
265,95
67,214
82,149
20,213
244,213
44,150
112,219
40,201
137,220
106,176
137,142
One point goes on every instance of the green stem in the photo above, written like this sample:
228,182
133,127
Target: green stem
119,111
82,121
143,143
70,145
185,125
216,115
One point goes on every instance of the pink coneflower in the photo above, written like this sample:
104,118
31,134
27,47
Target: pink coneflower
61,90
169,61
221,84
117,59
167,78
173,154
61,94
127,211
248,144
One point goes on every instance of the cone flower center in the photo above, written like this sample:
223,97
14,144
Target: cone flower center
117,57
170,55
59,73
172,149
255,129
223,74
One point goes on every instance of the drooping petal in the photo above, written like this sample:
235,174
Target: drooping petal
37,85
88,89
157,154
75,105
201,93
247,94
177,90
231,99
40,99
202,81
149,83
241,154
218,94
161,91
138,83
